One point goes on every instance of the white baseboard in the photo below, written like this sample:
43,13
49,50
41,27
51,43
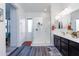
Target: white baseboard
41,44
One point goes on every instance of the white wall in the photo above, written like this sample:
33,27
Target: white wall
2,35
56,9
22,26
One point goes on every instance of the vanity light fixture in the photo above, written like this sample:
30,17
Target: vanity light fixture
66,11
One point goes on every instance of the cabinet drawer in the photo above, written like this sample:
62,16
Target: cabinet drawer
56,37
74,44
64,40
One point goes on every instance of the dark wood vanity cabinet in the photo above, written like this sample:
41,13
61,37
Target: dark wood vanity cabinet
66,47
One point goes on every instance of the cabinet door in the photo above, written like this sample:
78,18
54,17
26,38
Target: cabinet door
57,42
73,48
74,44
64,48
64,40
73,51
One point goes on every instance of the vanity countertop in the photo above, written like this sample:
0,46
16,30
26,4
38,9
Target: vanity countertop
67,36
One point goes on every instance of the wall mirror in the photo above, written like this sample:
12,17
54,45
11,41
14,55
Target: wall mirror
75,20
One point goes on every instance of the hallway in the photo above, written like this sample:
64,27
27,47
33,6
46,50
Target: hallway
35,51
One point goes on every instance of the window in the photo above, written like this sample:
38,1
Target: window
29,25
77,24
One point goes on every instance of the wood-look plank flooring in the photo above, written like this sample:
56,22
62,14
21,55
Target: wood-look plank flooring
31,51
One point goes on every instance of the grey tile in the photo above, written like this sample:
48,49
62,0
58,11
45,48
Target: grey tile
9,50
54,52
39,51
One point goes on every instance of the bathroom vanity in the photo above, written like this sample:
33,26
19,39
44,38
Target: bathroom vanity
66,45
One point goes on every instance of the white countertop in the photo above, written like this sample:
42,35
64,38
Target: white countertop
67,36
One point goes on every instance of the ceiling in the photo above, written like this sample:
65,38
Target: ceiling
35,7
40,7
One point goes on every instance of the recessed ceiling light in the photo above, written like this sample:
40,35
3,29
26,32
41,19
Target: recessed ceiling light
45,9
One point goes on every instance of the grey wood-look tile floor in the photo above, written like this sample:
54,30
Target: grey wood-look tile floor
9,50
54,51
36,51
